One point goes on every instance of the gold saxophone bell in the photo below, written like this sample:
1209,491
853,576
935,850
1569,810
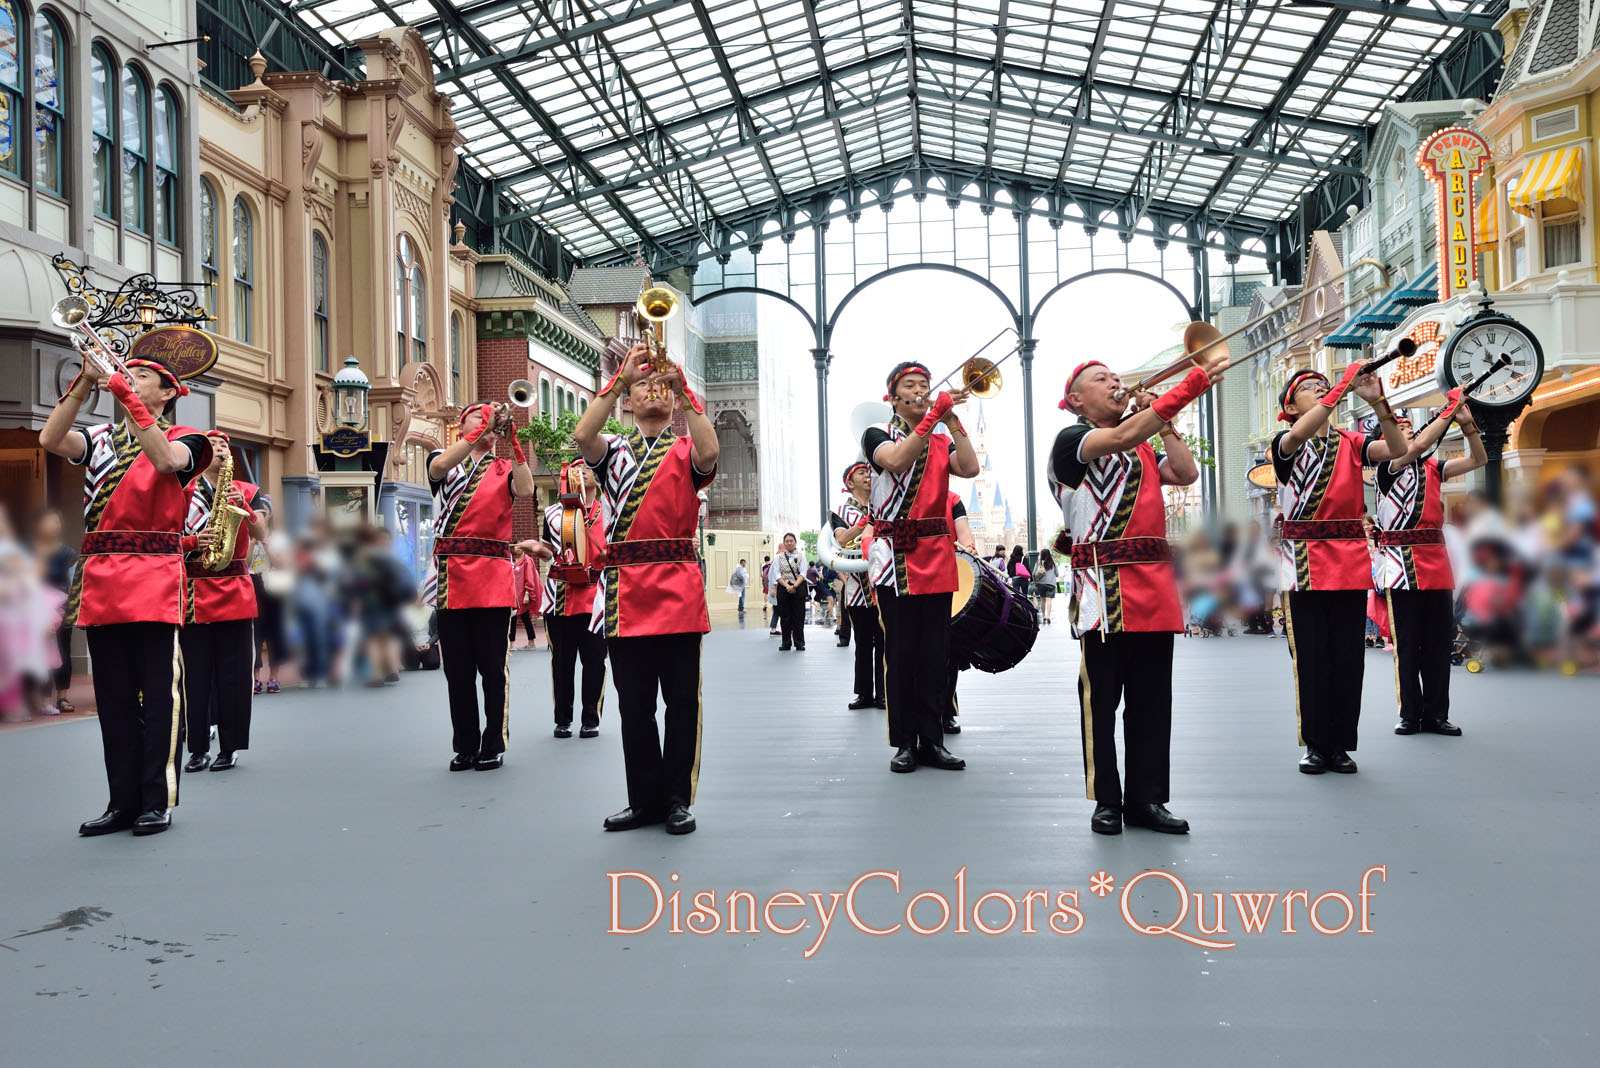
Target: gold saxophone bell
521,393
225,520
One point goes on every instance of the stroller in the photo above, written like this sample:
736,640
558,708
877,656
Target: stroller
1205,615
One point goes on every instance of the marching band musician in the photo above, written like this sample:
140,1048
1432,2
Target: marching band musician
219,617
651,606
911,557
1413,568
569,607
473,493
851,525
1124,607
128,591
1328,570
963,535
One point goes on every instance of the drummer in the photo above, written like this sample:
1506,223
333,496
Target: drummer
1124,606
958,663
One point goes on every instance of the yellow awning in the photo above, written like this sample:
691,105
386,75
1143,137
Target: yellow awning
1489,218
1558,173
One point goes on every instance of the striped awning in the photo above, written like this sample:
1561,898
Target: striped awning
1489,219
1551,175
1419,293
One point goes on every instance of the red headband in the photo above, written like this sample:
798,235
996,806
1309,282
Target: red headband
1289,389
161,369
913,369
468,410
852,470
1073,377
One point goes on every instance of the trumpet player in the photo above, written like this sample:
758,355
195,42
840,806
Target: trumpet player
473,493
128,591
911,559
1124,607
219,611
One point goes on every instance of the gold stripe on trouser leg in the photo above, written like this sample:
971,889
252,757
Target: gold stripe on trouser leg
1294,667
1086,711
699,722
179,712
600,705
505,701
1394,640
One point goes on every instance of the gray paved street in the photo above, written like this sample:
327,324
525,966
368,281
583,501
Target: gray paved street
340,898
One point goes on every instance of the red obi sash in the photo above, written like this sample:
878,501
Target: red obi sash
1324,530
1118,552
1418,536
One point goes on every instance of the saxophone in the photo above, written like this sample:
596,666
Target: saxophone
225,520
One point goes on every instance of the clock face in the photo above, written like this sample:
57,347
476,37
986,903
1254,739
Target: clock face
1476,347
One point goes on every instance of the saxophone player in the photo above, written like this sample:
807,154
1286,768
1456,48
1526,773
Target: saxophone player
219,607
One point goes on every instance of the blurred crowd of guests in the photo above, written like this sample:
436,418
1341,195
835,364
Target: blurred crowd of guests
1527,578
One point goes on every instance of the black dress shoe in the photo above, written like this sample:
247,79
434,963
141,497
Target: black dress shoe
563,730
1407,726
198,762
859,703
937,756
488,761
110,821
1441,726
1154,817
881,703
800,647
629,818
1340,761
153,821
1107,819
784,648
951,726
589,732
463,761
680,820
844,645
904,759
1312,763
224,761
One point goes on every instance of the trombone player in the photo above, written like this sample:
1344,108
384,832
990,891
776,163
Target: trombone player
473,494
219,608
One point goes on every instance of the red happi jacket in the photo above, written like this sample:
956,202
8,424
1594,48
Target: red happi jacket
217,596
1410,529
1122,577
1322,498
132,562
927,563
472,543
561,596
652,582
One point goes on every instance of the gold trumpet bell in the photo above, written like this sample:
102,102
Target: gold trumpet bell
980,378
658,303
521,393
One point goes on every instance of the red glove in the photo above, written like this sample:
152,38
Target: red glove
123,391
1454,399
188,544
516,451
1336,394
941,407
471,437
863,521
1172,401
691,400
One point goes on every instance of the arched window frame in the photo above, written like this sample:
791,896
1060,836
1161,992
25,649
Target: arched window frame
418,285
243,267
37,150
14,85
166,133
210,231
133,142
103,103
321,339
455,357
546,399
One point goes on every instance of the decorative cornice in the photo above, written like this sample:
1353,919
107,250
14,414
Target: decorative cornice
534,325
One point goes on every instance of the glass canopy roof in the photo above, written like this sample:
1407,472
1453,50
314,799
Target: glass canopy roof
683,123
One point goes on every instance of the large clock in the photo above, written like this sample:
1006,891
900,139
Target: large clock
1478,343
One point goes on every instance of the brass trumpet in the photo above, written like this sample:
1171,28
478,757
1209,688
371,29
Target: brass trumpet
521,393
1200,337
656,305
72,315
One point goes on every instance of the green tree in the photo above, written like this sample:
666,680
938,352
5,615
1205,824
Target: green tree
550,441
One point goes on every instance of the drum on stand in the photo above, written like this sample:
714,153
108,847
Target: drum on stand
992,627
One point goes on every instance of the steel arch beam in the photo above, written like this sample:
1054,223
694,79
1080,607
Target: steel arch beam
1188,305
859,287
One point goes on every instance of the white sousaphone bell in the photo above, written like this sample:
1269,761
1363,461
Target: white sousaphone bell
850,561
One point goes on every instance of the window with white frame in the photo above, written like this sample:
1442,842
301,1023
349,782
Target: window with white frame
455,358
208,243
166,160
244,272
43,95
319,299
410,303
1517,249
544,400
103,102
1561,234
135,144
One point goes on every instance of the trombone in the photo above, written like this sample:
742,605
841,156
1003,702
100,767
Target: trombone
1198,337
980,376
72,315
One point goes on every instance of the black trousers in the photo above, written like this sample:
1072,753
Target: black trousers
473,642
1134,671
845,625
863,619
218,662
952,679
1422,624
792,616
661,771
916,639
138,689
1327,641
572,640
526,618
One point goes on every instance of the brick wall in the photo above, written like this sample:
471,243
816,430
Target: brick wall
502,361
